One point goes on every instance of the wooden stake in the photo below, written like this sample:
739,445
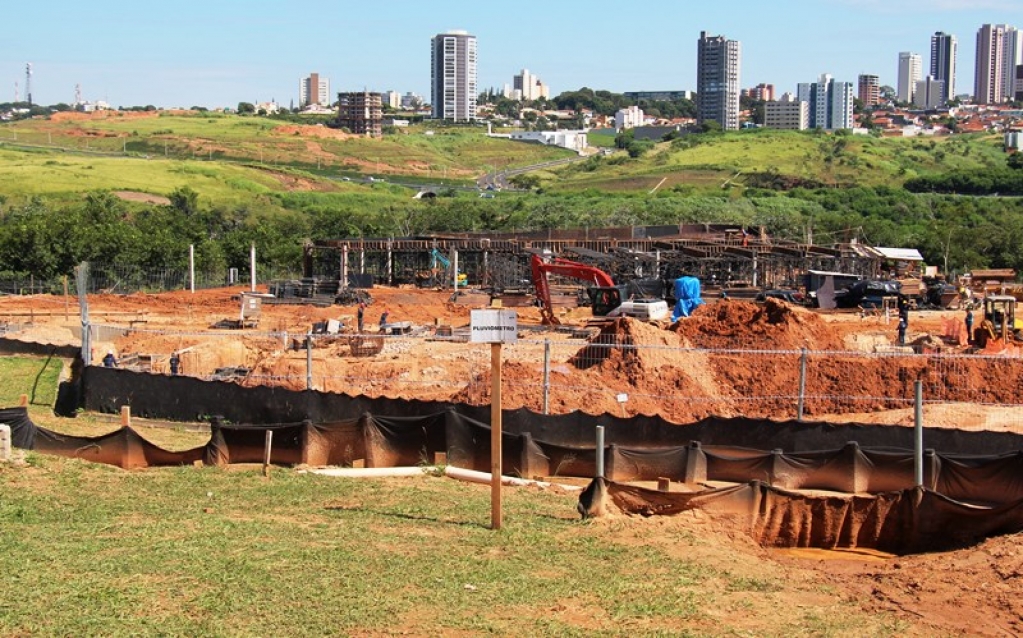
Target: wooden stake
495,436
23,401
66,302
125,416
267,445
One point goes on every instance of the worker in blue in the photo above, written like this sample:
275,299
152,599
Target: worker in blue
687,297
383,320
110,361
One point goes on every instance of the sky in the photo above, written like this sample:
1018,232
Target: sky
219,53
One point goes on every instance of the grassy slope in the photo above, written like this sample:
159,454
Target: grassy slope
36,378
852,159
65,175
458,153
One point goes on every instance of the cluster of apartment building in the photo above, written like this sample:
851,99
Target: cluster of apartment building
826,103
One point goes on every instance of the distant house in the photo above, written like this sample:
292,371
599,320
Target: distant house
572,140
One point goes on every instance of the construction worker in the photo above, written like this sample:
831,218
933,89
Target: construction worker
969,324
361,314
383,320
175,364
110,361
903,324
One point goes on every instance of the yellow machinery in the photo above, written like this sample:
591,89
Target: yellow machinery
998,330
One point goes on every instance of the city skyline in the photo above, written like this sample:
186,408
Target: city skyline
114,52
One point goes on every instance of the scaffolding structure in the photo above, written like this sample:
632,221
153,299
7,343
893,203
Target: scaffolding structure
724,257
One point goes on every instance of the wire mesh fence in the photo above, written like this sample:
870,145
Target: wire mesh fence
607,374
128,279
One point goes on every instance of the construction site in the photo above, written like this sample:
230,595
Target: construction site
799,421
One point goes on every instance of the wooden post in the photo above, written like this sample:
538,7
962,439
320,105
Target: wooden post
495,436
23,401
267,445
125,416
67,316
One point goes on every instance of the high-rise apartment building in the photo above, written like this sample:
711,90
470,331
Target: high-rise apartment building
928,93
528,87
1013,58
313,90
998,53
831,103
717,81
911,71
453,76
944,49
869,90
361,113
761,91
391,99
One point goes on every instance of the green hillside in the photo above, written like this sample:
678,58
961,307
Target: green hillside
433,152
702,162
141,189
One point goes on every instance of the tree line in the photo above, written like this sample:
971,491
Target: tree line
47,240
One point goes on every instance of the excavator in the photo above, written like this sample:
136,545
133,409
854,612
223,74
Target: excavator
606,299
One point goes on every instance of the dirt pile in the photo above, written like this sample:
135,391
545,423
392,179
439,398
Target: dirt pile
774,325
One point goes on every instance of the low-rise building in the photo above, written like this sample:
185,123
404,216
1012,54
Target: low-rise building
792,115
629,117
572,140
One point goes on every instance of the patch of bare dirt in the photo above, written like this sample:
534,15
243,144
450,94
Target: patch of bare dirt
147,198
323,132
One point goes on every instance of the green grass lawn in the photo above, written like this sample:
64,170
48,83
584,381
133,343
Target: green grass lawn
93,550
37,378
89,549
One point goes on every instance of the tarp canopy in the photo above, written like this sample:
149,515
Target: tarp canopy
687,297
899,254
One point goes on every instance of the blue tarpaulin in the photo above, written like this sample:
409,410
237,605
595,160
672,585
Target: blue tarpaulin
687,297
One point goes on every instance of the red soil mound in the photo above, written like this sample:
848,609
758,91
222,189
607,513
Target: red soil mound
774,325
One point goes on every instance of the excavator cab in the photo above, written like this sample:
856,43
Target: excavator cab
604,299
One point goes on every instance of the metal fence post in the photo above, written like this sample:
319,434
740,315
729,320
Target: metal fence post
309,361
600,452
546,376
918,433
802,385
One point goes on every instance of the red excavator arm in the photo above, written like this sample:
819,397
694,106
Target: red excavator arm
565,268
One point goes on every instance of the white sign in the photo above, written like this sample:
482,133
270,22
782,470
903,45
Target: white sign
622,398
493,326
